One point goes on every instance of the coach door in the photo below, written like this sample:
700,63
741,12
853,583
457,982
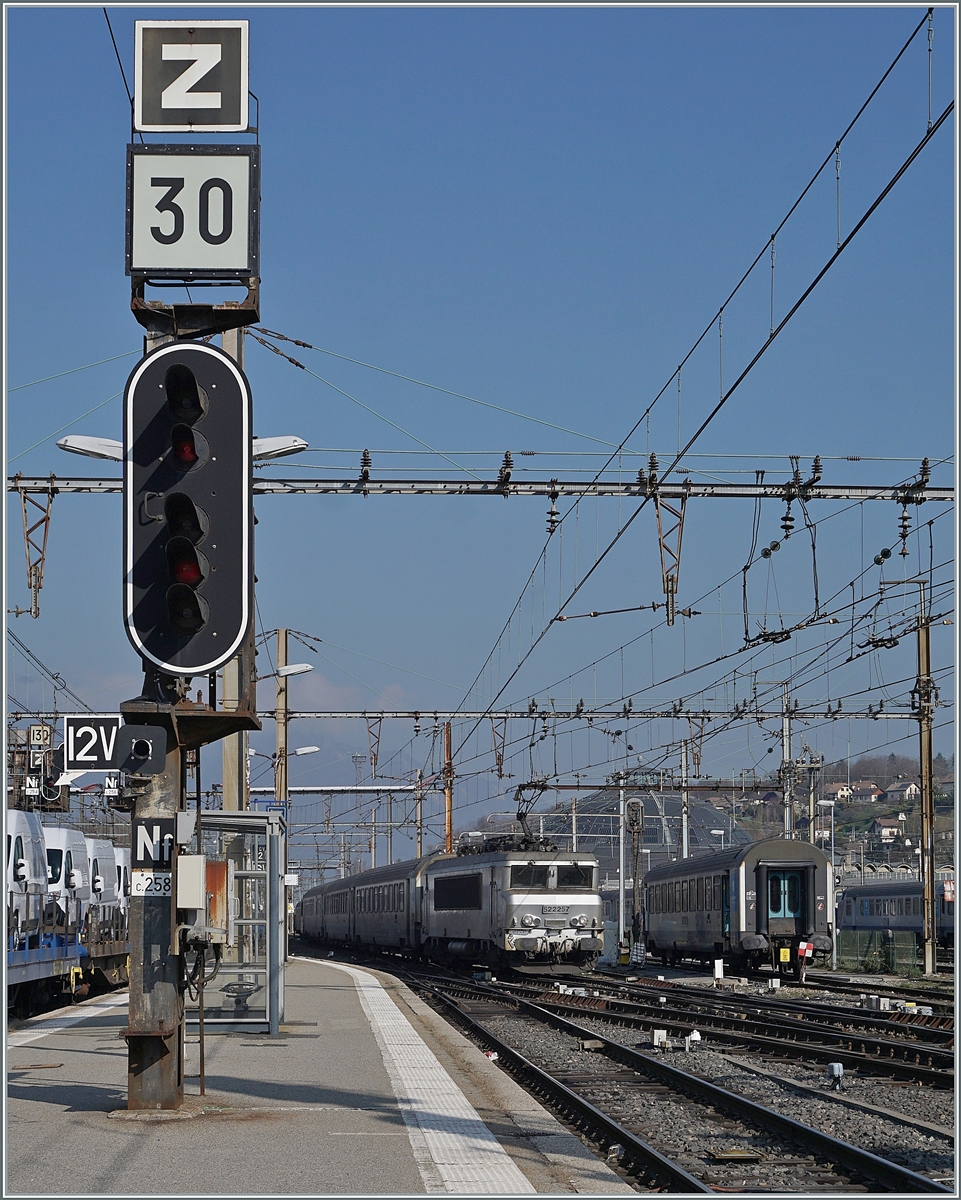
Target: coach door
785,905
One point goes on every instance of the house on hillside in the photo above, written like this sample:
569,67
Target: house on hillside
885,829
904,789
837,791
865,791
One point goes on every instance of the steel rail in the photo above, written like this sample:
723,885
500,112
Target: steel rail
930,996
548,489
817,1042
884,1021
821,1043
637,1151
889,1174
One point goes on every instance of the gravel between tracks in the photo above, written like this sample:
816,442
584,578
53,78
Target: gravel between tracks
674,1131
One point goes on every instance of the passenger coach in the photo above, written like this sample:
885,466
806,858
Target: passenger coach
748,905
897,906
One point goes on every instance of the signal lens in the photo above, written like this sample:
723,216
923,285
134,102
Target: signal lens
186,399
186,610
184,445
183,562
184,519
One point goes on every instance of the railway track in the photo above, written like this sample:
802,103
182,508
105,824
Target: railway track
938,1027
941,999
746,1026
699,1137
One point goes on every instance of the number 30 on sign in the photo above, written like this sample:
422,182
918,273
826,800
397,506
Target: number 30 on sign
151,883
193,211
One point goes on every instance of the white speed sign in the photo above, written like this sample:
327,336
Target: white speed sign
192,211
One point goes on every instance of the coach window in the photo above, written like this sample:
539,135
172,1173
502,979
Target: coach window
700,895
717,893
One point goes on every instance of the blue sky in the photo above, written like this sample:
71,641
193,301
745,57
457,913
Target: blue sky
540,208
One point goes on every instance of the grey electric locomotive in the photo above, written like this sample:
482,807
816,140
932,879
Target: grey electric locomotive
770,901
535,910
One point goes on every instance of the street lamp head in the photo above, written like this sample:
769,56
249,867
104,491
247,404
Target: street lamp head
306,750
294,669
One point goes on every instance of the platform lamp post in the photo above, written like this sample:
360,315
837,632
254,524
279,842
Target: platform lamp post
718,833
281,791
833,910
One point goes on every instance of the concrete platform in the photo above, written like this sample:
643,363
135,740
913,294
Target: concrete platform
366,1091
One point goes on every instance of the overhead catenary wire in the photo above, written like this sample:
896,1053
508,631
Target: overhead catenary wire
434,387
47,438
123,73
741,377
52,677
73,370
373,412
645,415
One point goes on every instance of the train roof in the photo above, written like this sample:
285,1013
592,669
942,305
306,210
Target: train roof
465,862
777,849
888,885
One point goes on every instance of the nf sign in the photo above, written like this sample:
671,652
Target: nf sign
191,76
193,211
152,841
90,743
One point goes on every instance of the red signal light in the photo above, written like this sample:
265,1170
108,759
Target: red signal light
187,571
184,563
184,445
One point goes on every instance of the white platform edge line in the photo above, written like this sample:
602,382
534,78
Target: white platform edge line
500,1174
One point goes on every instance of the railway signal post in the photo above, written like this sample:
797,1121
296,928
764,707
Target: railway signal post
192,216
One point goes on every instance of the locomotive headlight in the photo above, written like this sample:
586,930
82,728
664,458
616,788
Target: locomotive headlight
537,920
579,922
527,920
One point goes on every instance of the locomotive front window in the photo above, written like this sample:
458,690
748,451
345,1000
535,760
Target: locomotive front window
774,886
574,875
528,875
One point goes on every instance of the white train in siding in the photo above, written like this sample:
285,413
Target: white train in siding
67,904
535,911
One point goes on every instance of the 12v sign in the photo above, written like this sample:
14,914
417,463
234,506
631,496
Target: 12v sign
89,743
193,211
